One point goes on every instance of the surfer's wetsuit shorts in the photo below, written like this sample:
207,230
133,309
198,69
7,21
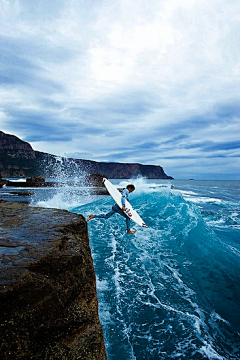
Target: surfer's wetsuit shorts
115,209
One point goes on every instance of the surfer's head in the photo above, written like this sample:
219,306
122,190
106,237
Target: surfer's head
130,187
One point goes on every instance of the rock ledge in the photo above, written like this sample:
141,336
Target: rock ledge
49,307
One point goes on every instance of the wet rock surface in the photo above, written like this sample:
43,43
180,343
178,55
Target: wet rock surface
49,307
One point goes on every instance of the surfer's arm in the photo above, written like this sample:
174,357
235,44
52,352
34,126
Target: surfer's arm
124,198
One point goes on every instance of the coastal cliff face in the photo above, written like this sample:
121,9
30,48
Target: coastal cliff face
12,143
18,159
49,306
127,171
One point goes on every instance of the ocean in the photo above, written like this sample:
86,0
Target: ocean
171,291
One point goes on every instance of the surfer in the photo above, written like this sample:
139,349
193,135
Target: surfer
116,209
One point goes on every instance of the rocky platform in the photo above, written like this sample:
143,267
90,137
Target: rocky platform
49,306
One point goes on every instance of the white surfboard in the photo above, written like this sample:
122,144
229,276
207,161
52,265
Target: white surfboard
117,196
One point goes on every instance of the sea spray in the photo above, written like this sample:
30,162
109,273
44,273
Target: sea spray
71,187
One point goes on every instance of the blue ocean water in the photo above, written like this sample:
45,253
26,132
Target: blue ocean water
171,291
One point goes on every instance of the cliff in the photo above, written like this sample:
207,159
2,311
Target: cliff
49,306
125,170
18,159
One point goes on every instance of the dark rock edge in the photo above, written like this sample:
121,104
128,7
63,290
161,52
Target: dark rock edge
48,299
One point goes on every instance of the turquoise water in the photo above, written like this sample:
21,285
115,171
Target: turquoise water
171,291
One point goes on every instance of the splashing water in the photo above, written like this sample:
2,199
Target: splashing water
172,290
71,188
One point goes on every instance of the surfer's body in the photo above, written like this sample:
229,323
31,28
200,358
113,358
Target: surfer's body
116,209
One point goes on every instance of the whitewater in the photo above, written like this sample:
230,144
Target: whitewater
171,291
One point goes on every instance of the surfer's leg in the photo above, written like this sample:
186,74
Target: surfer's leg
128,226
110,213
104,216
128,223
90,217
128,220
117,209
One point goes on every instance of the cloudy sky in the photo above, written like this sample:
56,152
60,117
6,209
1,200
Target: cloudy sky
155,82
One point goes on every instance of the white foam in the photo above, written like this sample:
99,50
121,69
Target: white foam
184,192
18,180
211,354
204,200
234,250
215,316
143,185
65,199
102,285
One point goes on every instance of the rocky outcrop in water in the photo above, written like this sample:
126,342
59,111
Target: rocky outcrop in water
49,306
18,159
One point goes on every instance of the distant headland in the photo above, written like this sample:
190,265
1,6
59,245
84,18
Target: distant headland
18,159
